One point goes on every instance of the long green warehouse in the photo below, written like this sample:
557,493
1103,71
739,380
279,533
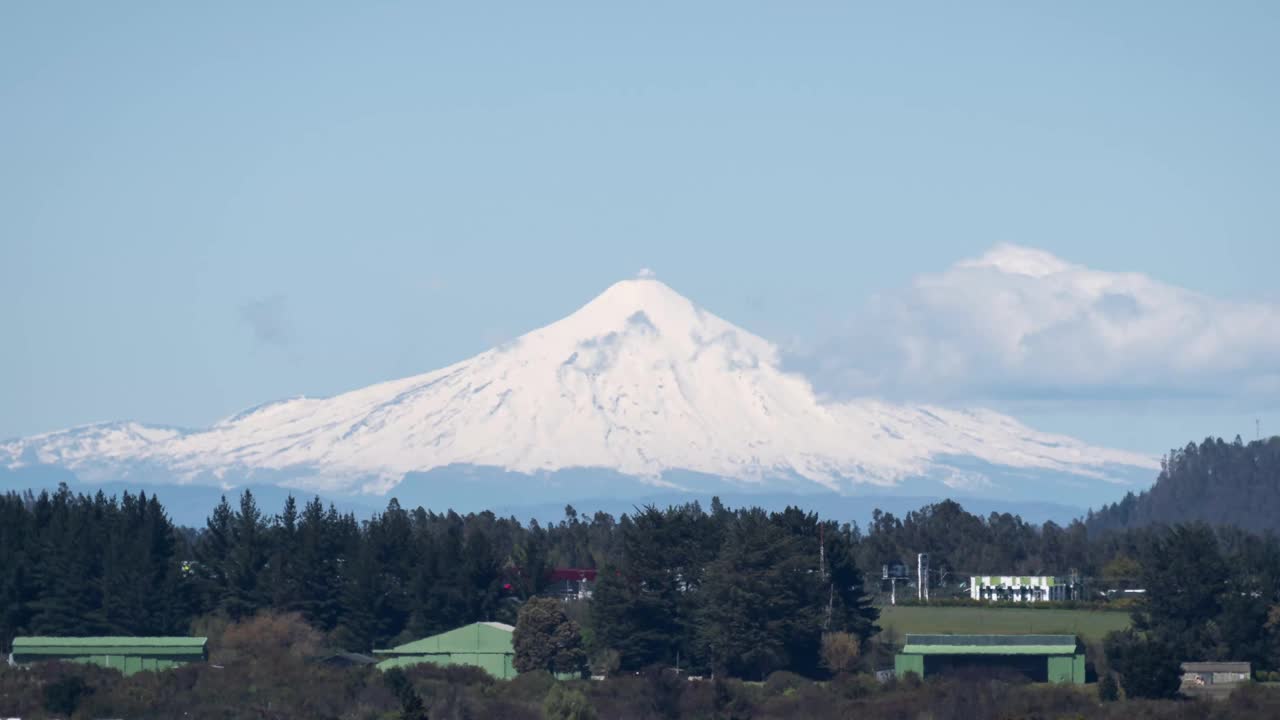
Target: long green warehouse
1042,658
486,645
126,654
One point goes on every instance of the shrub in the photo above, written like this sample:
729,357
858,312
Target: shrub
781,681
562,703
529,687
855,687
425,673
267,640
665,688
840,652
63,696
1108,689
1145,665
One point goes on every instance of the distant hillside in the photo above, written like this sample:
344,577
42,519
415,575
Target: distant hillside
1218,482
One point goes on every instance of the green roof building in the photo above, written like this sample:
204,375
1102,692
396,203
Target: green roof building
1043,658
486,645
126,654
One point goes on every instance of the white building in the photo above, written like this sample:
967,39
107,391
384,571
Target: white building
1019,588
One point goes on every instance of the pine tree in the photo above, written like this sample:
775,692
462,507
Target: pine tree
246,592
761,605
636,606
1146,665
68,580
317,560
284,578
1185,577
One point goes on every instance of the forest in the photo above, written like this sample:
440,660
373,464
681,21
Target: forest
741,595
671,580
1216,482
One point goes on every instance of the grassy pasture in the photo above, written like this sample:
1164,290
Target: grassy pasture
1088,624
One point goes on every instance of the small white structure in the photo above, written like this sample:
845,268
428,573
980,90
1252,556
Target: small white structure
1213,679
922,576
1020,588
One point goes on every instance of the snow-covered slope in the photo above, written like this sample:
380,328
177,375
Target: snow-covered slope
639,381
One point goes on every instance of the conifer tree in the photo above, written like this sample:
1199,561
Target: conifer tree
761,605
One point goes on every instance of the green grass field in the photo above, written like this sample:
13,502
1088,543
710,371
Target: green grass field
1088,624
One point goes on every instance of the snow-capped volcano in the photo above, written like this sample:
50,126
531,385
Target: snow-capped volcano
640,381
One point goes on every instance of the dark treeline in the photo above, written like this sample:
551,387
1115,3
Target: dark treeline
1209,596
740,591
79,565
1216,482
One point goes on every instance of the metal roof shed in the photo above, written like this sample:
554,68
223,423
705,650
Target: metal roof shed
1047,658
486,645
126,654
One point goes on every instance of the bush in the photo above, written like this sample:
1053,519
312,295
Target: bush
855,687
1145,665
267,640
665,688
529,687
562,703
1108,689
841,652
427,673
63,696
781,681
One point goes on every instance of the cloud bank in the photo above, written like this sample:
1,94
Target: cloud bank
1020,323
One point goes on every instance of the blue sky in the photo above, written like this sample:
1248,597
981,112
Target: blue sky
204,208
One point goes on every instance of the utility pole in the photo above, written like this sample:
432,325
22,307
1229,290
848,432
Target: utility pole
822,552
822,564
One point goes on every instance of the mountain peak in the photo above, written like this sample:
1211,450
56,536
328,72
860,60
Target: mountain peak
641,303
643,289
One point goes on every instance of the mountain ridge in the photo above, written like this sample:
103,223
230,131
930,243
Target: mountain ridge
1217,482
640,380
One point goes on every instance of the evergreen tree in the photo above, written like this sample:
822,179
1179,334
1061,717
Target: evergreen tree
761,609
317,563
1146,665
213,558
68,580
245,590
546,639
1184,576
285,575
637,605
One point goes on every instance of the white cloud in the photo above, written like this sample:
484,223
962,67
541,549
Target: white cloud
1022,322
